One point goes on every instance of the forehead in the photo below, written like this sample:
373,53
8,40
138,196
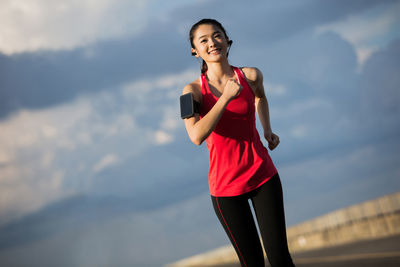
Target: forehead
206,29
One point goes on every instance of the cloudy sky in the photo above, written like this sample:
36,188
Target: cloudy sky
96,168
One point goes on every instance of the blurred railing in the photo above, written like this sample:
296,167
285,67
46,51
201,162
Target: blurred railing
368,220
371,219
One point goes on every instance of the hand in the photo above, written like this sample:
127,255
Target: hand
273,139
232,89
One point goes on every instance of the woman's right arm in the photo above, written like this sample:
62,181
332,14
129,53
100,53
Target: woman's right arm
199,129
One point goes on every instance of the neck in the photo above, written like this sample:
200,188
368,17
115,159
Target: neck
219,71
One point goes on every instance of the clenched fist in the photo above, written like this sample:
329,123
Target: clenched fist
232,89
273,139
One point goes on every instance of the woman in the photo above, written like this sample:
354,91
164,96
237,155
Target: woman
240,166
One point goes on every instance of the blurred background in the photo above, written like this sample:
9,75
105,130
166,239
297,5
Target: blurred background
96,168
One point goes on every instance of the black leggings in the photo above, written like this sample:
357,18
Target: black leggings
235,216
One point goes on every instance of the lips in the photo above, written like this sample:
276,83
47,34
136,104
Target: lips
214,50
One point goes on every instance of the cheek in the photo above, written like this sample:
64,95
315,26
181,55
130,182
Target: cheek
202,50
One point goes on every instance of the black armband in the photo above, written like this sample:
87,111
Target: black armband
189,106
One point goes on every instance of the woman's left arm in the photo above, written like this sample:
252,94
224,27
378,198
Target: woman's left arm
262,108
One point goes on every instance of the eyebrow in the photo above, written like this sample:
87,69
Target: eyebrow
206,35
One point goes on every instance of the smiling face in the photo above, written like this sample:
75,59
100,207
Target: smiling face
210,43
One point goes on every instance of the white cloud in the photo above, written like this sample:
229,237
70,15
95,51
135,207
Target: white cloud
27,129
367,31
160,83
106,161
32,141
26,187
47,159
162,138
42,24
274,89
168,88
28,26
299,131
300,107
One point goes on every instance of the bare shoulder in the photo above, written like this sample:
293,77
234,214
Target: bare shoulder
254,78
252,74
195,88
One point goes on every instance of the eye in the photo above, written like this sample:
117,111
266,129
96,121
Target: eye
202,41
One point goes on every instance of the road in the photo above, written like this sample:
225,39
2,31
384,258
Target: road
372,253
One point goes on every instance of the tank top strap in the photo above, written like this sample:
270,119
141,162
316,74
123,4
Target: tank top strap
242,79
239,75
237,72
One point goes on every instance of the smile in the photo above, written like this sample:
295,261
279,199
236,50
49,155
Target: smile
215,51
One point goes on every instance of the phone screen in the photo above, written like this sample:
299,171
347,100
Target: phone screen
187,108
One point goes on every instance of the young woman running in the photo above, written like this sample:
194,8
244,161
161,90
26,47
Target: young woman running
240,166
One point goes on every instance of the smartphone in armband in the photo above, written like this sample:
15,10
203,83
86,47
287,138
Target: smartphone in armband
189,106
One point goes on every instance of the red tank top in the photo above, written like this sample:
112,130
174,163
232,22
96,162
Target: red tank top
238,162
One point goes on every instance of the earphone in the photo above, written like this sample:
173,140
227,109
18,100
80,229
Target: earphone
229,48
229,43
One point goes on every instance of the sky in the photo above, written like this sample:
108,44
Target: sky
96,168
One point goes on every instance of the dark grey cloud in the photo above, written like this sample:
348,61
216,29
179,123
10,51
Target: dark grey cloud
260,23
380,94
159,176
319,74
45,78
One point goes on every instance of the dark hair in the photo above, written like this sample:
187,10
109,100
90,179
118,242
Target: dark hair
194,28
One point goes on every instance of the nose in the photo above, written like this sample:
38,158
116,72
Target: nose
211,42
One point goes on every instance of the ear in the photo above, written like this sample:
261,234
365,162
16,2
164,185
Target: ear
194,53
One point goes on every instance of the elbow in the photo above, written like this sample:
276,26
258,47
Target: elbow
196,136
197,140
